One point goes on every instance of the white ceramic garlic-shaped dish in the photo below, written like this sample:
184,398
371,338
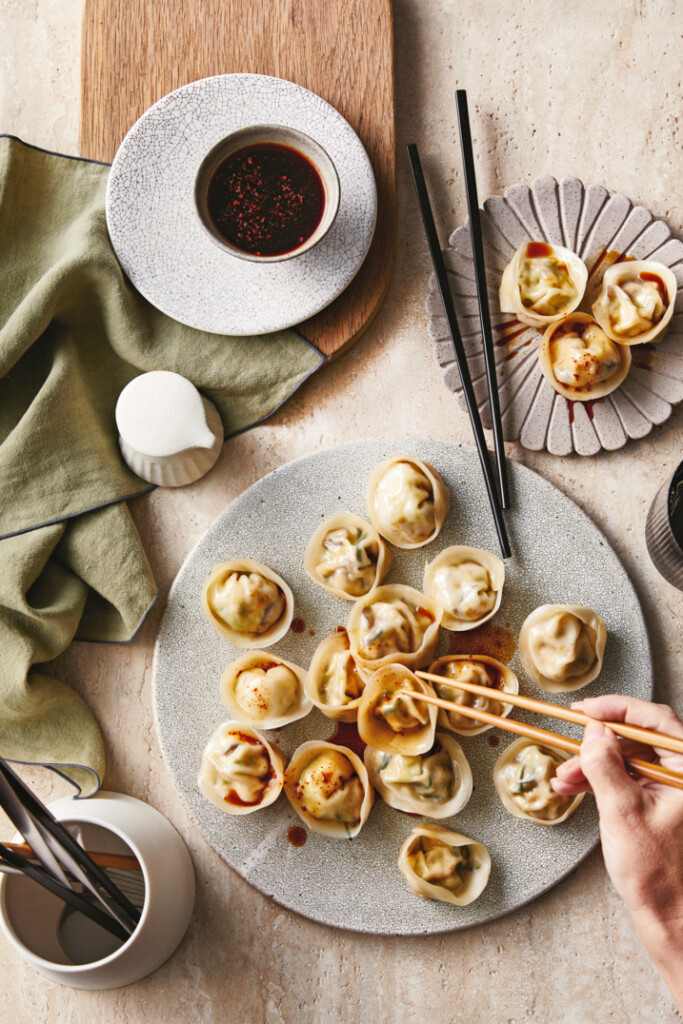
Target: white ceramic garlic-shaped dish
241,771
334,681
169,434
394,624
562,646
436,784
442,865
580,361
467,583
392,722
247,603
522,776
328,787
636,301
481,670
347,556
542,283
265,690
407,501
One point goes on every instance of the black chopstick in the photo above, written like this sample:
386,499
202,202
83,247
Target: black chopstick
78,901
482,293
468,390
28,814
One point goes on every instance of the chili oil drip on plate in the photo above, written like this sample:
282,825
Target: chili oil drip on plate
266,199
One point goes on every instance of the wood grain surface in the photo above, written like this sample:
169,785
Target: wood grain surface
134,52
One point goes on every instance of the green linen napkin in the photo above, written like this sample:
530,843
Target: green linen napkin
73,332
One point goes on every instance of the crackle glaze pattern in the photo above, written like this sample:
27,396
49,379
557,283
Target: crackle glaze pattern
591,222
356,884
166,251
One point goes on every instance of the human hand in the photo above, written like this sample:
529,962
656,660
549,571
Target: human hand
641,823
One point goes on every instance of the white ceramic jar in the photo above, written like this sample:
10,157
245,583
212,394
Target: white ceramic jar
32,918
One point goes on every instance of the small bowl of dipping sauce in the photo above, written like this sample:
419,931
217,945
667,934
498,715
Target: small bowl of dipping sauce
267,193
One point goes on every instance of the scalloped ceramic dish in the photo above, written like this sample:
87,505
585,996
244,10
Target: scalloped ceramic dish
599,227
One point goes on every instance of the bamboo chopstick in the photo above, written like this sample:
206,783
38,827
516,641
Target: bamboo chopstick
482,290
104,860
629,732
551,739
458,347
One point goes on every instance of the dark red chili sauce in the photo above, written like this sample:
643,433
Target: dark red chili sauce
536,250
659,284
296,835
266,199
346,735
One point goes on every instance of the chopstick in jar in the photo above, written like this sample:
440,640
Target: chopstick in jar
655,772
630,732
105,860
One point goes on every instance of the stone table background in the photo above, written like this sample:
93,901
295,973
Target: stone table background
591,89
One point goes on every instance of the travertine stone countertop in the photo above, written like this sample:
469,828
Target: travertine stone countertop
593,90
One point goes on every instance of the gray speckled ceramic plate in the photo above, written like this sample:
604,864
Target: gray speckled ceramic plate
168,254
560,556
591,222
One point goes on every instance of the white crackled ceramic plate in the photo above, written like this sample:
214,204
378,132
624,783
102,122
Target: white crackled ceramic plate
356,883
161,243
598,226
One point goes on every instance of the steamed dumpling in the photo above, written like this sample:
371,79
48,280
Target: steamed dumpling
407,501
263,689
387,628
399,712
465,588
562,646
247,603
241,772
347,556
334,681
394,623
579,361
481,670
542,283
391,721
329,789
636,301
437,784
467,583
267,692
443,865
522,776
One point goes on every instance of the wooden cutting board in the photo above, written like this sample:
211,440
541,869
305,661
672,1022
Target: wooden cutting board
136,51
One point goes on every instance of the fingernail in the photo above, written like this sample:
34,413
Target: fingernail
594,731
577,705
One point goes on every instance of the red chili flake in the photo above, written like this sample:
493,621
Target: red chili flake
266,199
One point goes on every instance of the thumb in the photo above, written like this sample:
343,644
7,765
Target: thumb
616,793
